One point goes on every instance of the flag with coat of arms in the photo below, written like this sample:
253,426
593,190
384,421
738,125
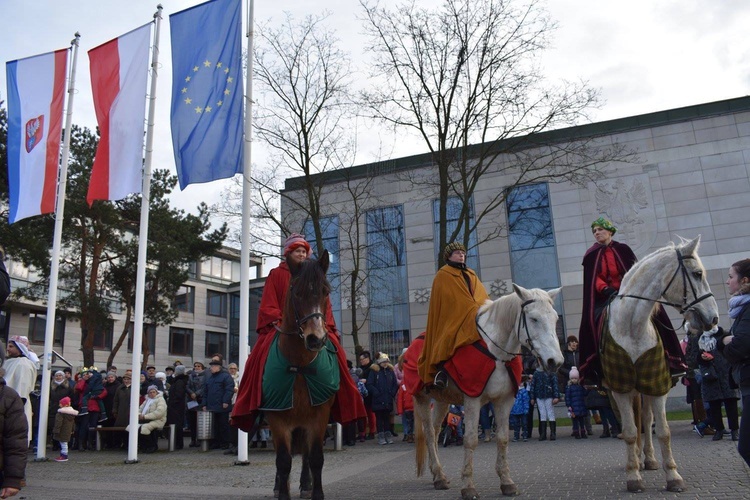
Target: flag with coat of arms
207,113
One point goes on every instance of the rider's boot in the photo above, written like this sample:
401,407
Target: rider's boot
542,431
552,430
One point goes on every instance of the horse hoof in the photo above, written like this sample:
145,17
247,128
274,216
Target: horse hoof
509,490
305,493
651,465
676,485
635,486
442,484
469,494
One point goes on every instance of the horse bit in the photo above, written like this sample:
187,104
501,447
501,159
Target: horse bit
684,307
521,321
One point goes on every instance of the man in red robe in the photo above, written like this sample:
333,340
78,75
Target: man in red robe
348,405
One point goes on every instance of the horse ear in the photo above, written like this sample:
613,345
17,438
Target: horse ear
323,261
522,293
691,247
553,293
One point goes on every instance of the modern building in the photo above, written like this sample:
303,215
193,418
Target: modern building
207,323
690,176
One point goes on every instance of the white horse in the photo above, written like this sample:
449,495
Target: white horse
524,318
673,275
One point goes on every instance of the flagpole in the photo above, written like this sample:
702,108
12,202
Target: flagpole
140,287
242,458
49,330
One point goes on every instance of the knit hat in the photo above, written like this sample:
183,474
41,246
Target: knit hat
179,370
294,241
60,372
65,401
161,375
23,345
111,373
604,224
152,387
574,373
383,358
452,247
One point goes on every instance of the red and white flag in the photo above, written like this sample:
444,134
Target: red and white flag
119,75
36,91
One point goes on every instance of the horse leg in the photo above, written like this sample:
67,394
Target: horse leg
502,408
674,480
283,468
649,462
305,483
471,421
630,434
316,467
427,439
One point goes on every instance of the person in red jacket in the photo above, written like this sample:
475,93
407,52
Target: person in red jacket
89,420
348,405
405,406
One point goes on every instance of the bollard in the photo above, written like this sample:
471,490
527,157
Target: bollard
205,428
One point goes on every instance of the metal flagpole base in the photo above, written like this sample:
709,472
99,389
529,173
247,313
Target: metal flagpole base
41,459
131,461
241,462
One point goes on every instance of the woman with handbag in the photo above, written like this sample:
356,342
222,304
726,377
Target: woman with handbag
717,388
735,344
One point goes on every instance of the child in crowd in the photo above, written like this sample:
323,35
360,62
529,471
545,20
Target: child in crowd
518,413
405,404
544,393
575,398
64,424
94,387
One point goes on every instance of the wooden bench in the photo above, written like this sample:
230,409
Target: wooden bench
99,429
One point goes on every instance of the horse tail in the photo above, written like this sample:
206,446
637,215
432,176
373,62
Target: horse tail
420,442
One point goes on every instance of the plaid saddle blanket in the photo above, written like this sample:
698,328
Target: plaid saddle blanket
649,374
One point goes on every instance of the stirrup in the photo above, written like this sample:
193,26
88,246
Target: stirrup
441,380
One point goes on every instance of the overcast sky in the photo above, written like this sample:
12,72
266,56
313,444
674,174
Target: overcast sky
643,55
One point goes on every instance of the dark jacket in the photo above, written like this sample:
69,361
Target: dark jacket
382,385
570,359
56,393
575,399
737,352
14,437
176,404
195,385
218,389
711,390
544,386
109,400
365,373
121,406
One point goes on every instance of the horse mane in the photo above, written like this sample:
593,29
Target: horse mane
505,310
311,274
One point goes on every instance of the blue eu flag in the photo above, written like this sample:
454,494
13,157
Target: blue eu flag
207,94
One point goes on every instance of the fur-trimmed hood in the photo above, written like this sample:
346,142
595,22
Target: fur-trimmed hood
376,367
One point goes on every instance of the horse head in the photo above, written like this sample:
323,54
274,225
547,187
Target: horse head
691,294
305,312
537,326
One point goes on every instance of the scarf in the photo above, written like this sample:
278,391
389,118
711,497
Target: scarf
736,304
146,405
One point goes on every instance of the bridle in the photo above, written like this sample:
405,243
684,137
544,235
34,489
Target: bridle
521,322
300,322
684,306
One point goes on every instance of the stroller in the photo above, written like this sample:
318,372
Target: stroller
452,424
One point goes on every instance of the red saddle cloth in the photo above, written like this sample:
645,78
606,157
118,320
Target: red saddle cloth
471,368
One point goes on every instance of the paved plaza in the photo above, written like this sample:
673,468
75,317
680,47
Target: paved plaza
566,468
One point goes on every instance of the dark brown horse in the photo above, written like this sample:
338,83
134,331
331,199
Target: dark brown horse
302,337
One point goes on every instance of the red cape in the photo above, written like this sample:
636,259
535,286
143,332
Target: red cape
348,405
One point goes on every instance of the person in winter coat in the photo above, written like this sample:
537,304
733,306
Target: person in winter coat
598,399
575,398
195,395
14,441
518,415
176,405
111,384
405,405
121,410
152,415
381,383
88,417
64,425
544,394
716,387
369,423
735,344
217,398
60,388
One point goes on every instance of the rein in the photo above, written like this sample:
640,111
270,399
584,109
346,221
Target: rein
685,306
521,321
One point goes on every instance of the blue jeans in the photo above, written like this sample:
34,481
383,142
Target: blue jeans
407,420
518,423
484,416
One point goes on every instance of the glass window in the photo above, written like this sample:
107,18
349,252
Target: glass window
38,326
150,337
453,213
531,237
181,341
216,342
387,278
216,303
184,300
103,335
330,228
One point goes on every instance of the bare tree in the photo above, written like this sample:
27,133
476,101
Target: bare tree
464,77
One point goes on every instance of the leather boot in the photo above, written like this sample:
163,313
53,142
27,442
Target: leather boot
552,431
542,431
